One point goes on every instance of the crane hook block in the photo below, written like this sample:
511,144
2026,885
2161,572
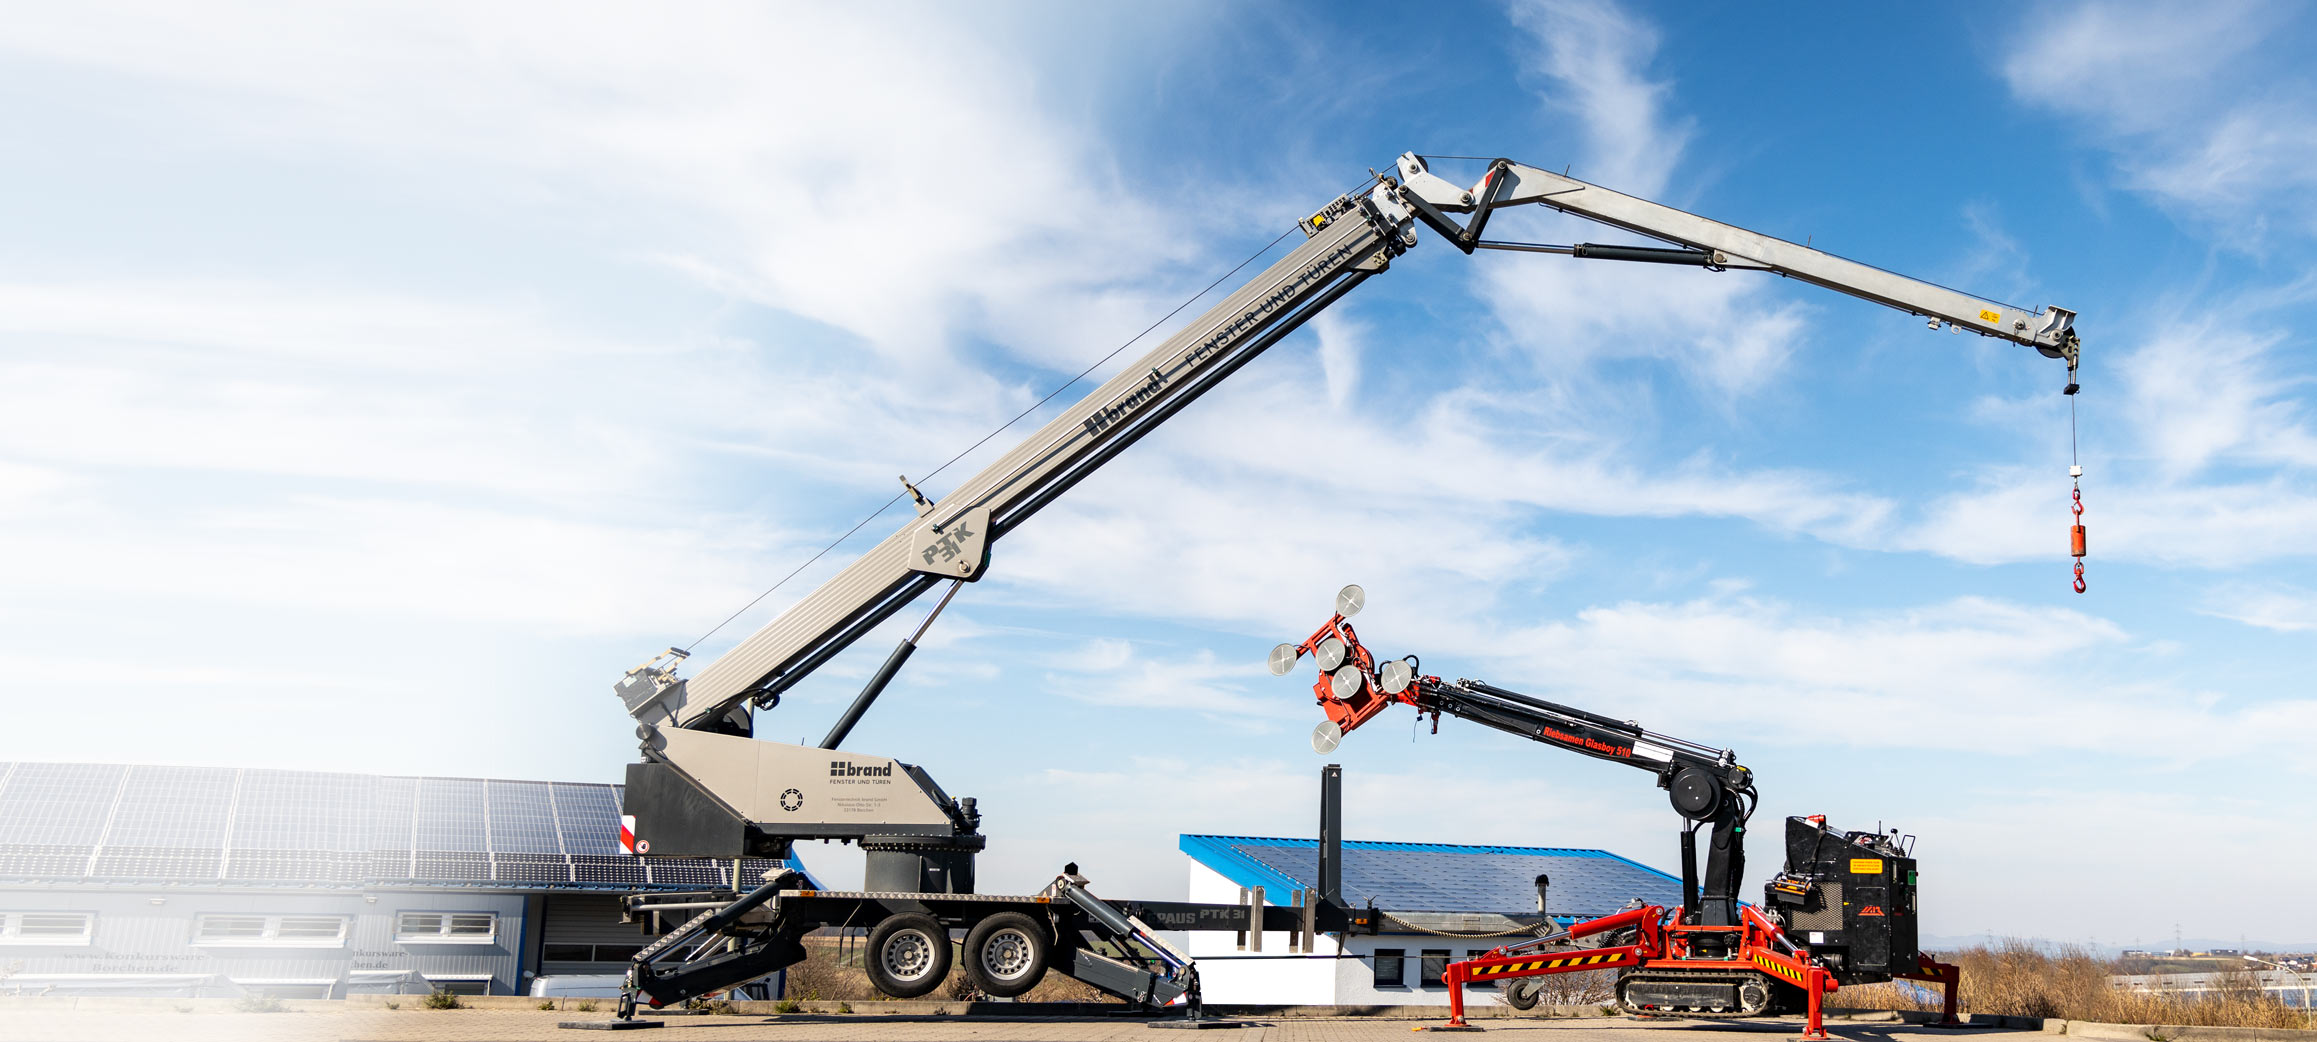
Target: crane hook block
2076,541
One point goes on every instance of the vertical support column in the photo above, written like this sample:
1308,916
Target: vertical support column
1254,915
1255,928
1952,978
1331,833
1454,978
1295,939
1815,1031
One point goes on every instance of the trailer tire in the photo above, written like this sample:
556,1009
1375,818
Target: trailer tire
908,955
1006,954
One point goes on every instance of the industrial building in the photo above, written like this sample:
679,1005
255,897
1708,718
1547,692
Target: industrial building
145,880
1442,902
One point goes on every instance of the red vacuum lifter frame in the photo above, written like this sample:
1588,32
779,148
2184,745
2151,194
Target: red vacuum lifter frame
1660,942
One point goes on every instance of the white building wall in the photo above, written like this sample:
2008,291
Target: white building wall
1324,979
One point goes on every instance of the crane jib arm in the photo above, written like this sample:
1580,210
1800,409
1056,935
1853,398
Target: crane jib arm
1727,246
1353,235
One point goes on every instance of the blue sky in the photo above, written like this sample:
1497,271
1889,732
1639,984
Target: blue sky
377,383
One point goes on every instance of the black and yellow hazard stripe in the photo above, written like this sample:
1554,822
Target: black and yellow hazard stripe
1792,975
1562,962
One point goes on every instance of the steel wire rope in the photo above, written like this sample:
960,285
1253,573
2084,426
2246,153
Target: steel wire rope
1000,429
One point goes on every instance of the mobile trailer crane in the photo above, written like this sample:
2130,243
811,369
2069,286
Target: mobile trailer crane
1842,911
706,787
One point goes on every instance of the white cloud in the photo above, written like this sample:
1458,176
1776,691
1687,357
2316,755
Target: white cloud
2201,107
1114,672
2211,390
1594,59
2285,609
897,177
2200,460
1970,675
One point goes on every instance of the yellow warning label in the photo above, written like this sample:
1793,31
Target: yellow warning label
1990,317
1868,865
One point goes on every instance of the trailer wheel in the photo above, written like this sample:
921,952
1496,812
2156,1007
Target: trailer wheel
1006,954
908,955
1522,994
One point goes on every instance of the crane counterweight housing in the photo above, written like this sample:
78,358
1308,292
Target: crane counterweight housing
706,786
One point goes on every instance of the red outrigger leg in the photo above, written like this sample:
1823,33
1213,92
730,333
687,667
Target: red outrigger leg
1945,974
1818,987
1454,978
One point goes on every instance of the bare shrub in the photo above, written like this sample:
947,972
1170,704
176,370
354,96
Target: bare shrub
2022,979
1588,988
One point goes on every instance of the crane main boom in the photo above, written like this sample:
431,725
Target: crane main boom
731,793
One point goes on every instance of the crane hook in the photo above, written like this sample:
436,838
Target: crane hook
2076,531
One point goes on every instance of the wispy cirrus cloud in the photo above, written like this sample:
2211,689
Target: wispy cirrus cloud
2201,106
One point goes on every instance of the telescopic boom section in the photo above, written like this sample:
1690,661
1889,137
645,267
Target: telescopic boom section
1353,237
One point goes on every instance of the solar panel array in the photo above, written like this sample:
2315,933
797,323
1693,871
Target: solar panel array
1430,877
112,823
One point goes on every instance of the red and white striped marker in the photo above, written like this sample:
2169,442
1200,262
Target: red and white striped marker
627,833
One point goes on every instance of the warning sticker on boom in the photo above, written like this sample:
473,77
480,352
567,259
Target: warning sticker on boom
1990,317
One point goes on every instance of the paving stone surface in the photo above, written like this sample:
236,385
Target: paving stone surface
491,1025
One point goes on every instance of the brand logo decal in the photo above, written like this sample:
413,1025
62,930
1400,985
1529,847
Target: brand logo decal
841,769
1587,742
1104,418
951,543
1257,314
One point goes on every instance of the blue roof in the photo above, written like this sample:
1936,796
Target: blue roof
1442,877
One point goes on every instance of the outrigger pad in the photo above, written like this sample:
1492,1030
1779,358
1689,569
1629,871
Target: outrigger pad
610,1025
1202,1023
1448,1027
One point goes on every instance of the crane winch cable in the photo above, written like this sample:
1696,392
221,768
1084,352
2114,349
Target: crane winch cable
907,488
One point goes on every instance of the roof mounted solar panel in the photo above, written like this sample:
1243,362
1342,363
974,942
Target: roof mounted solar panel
253,827
59,804
522,818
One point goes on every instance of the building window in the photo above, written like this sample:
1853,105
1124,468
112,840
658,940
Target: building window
271,931
446,927
1434,966
461,985
288,989
1391,967
589,952
46,927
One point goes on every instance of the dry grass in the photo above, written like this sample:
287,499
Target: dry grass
832,973
2021,979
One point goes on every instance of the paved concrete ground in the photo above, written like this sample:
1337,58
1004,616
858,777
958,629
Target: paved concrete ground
499,1025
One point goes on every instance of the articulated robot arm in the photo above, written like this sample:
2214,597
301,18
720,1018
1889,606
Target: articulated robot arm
1707,786
708,788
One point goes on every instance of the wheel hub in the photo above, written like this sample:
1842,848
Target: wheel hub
1007,955
907,956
